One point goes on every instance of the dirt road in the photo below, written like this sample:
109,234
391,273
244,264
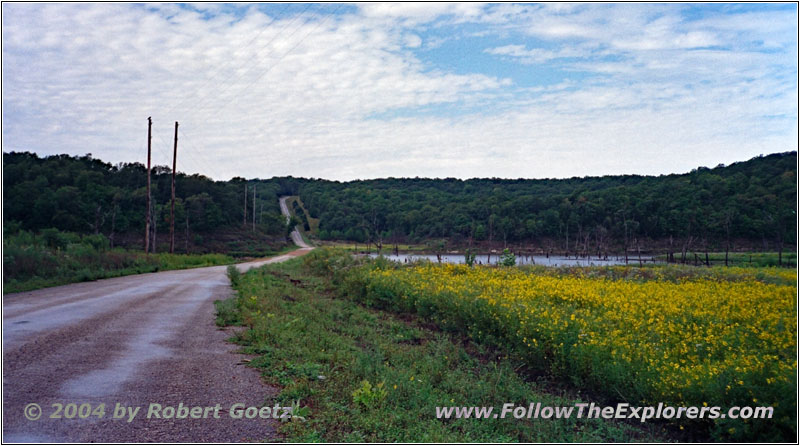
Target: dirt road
133,341
296,237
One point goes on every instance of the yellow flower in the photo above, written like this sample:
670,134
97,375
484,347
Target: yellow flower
678,337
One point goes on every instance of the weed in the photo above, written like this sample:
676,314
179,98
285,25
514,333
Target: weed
368,395
319,347
233,275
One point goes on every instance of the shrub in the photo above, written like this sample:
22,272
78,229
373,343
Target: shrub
97,241
507,258
53,238
234,275
469,257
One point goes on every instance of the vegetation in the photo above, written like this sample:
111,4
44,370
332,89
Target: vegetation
671,273
640,335
756,259
65,219
307,224
368,375
747,205
88,196
56,258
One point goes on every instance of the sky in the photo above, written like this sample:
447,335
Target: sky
370,90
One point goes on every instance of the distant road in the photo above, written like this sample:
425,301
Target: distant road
296,237
131,340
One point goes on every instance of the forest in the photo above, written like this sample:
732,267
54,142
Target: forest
85,195
745,205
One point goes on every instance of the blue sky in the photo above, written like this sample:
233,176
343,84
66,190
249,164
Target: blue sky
345,91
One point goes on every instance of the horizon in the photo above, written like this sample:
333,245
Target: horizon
371,91
719,165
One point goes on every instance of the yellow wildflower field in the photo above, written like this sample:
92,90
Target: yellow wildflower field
686,342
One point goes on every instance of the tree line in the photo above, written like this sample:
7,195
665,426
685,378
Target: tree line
84,195
749,204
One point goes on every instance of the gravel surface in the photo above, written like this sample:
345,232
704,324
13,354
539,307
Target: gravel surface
295,234
131,341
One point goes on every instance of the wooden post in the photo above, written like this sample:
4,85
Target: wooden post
244,220
172,208
147,216
254,207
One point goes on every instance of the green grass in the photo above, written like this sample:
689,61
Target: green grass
313,223
56,258
754,259
114,263
52,258
358,279
321,349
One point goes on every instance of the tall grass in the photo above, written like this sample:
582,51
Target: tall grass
51,258
748,259
371,376
635,335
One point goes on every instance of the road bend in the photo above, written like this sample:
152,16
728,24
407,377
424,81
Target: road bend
131,341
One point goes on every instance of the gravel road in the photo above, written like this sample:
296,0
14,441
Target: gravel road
296,237
132,341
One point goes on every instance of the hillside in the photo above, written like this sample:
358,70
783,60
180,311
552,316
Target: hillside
749,204
746,205
85,195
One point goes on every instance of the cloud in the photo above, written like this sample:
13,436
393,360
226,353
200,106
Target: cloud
344,93
535,55
421,12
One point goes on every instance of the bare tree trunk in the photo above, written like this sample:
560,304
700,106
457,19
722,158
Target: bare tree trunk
726,254
99,219
639,252
671,257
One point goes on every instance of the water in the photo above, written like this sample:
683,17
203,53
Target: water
521,260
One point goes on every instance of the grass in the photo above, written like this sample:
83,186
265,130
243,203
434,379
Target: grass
114,263
52,257
754,259
305,238
56,258
313,223
674,334
369,375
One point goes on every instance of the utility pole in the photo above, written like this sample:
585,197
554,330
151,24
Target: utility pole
147,217
244,220
254,207
154,227
172,209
